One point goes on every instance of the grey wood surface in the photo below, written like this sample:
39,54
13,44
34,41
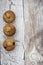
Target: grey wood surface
16,56
33,17
29,24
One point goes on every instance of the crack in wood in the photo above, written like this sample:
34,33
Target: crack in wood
11,4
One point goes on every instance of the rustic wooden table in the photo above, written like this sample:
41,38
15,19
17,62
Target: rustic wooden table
29,25
15,57
33,18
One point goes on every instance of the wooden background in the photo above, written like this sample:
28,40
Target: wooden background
33,17
15,57
29,23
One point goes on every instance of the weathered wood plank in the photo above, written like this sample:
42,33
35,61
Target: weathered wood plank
16,56
33,13
33,23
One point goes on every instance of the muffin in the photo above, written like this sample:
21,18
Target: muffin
9,29
9,16
9,44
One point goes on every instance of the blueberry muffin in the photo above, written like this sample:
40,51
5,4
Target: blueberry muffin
9,44
9,16
9,29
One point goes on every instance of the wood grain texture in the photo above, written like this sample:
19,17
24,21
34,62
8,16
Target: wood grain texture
16,56
29,24
33,17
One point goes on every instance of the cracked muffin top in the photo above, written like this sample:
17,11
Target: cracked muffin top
9,29
9,16
9,44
